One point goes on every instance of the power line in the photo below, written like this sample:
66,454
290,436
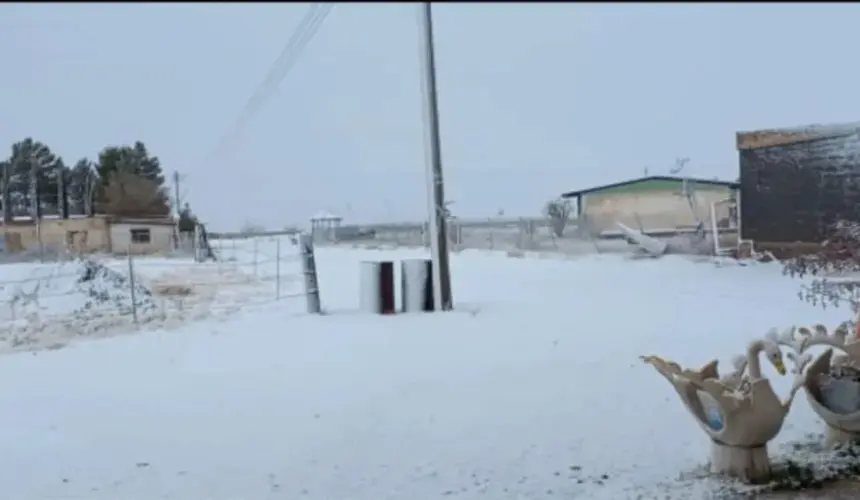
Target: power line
280,68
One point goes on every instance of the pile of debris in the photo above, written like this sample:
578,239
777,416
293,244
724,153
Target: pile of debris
645,245
106,287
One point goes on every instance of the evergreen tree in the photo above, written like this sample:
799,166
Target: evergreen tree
121,166
149,167
35,181
32,179
187,220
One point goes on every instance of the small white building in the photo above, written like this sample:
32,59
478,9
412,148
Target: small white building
324,226
141,236
100,233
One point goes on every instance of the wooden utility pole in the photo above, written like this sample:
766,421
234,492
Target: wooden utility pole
176,195
442,297
178,202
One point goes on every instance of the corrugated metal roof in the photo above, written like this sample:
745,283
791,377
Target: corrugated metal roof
669,178
790,135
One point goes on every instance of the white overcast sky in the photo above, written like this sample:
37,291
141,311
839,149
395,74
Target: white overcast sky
536,99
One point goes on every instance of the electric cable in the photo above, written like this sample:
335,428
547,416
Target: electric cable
279,70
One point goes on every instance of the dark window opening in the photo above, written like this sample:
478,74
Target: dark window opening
140,236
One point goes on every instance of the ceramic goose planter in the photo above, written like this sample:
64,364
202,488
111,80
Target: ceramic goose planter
740,414
832,383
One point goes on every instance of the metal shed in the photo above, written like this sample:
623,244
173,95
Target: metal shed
795,183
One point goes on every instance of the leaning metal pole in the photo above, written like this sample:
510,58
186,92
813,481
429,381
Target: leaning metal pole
442,297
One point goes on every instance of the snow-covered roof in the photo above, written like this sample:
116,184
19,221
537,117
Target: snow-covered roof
323,215
789,135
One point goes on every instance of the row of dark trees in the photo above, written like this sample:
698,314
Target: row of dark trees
123,180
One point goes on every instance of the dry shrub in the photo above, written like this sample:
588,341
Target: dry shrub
172,290
834,269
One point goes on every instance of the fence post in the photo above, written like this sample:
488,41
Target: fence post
715,229
309,269
255,256
220,255
195,246
39,237
131,284
277,268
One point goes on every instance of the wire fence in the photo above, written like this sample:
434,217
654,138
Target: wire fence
46,304
581,236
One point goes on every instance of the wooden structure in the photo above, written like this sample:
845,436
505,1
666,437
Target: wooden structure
99,233
795,183
656,203
324,226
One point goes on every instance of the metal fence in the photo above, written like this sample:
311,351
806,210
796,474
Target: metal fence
523,234
48,303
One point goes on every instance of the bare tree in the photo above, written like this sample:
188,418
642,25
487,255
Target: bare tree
90,191
680,163
833,268
128,194
558,213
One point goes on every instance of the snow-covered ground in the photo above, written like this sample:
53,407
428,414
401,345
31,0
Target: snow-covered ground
48,304
531,389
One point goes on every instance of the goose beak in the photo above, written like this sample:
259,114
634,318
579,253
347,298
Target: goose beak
780,367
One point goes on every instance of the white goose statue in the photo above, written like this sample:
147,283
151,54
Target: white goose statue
740,414
832,383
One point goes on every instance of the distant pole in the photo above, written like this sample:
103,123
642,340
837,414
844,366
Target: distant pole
178,209
442,296
176,193
35,210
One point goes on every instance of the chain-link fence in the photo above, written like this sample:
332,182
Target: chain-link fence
525,234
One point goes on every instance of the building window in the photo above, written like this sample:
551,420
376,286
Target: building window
140,236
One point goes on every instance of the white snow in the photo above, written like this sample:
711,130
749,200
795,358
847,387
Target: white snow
325,216
48,304
531,389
